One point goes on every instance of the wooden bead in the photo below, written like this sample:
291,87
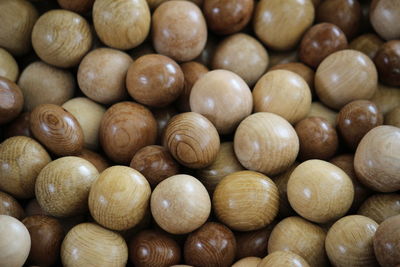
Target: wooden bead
18,18
285,210
175,204
320,41
379,207
318,138
233,208
102,73
319,191
163,116
119,198
386,98
100,162
356,119
192,140
243,55
15,242
393,117
282,57
211,245
179,30
61,38
247,262
21,160
125,128
319,110
8,66
253,243
62,187
268,18
46,235
345,76
152,248
89,244
387,242
387,61
368,43
377,159
11,100
263,134
78,6
33,208
218,93
154,80
56,88
9,206
349,242
383,15
56,129
19,126
283,259
155,163
88,114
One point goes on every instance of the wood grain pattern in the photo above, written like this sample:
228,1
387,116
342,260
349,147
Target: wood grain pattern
78,6
163,116
247,262
8,66
387,62
98,160
386,242
11,100
10,206
283,259
319,110
386,98
368,43
383,14
380,207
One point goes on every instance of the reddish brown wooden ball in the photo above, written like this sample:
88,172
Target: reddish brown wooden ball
387,61
253,243
80,6
11,100
19,126
387,242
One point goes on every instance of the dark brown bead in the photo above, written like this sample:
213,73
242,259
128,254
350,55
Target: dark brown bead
387,61
96,159
253,243
19,126
9,206
387,242
281,181
162,116
11,100
79,6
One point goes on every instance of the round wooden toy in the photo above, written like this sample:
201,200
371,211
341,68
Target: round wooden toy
10,206
253,243
387,242
283,259
379,207
247,262
383,15
99,161
11,100
387,61
79,6
8,66
368,43
393,117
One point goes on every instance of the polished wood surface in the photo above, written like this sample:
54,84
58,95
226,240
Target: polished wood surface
368,43
380,207
283,259
387,60
247,262
393,117
253,243
386,242
320,110
10,206
98,160
383,16
8,66
386,98
11,100
79,6
19,126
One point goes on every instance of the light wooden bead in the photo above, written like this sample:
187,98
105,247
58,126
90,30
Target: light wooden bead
345,76
62,187
282,57
11,100
263,134
9,206
232,205
319,191
8,66
88,244
384,15
21,160
368,43
180,204
247,262
379,207
393,117
319,110
349,242
386,98
153,4
283,259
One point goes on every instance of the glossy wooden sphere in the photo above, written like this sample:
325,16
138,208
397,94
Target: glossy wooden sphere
356,119
61,38
320,41
386,98
368,43
379,207
393,117
11,100
21,160
319,191
180,204
247,262
192,140
345,76
8,66
154,80
253,243
62,187
18,18
125,128
100,162
280,25
263,134
299,236
102,74
179,30
387,242
218,93
283,259
377,159
384,15
78,6
153,248
56,129
46,237
213,244
15,242
88,244
246,201
56,88
9,206
227,17
163,116
387,61
319,110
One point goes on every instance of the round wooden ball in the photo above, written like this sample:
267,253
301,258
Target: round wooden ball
11,100
285,210
227,17
345,76
163,116
247,262
219,93
393,117
179,30
78,6
46,235
89,244
9,206
56,88
297,16
62,187
192,140
18,18
88,114
299,236
243,55
56,129
61,38
318,138
15,242
8,66
320,110
99,161
154,80
263,134
180,204
213,244
379,207
377,159
231,201
283,259
384,15
21,160
386,98
349,242
320,191
119,198
387,241
368,43
125,128
253,243
387,61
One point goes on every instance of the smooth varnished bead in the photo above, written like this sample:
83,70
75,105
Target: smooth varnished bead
387,242
387,61
98,160
379,207
8,66
386,98
283,259
320,110
384,15
253,243
247,262
10,206
11,100
393,117
79,6
368,43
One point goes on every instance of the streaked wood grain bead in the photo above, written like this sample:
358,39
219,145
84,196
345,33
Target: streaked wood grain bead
368,43
11,100
320,110
386,98
379,207
283,259
247,262
9,206
387,242
79,6
384,15
387,62
163,116
98,160
8,66
393,117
